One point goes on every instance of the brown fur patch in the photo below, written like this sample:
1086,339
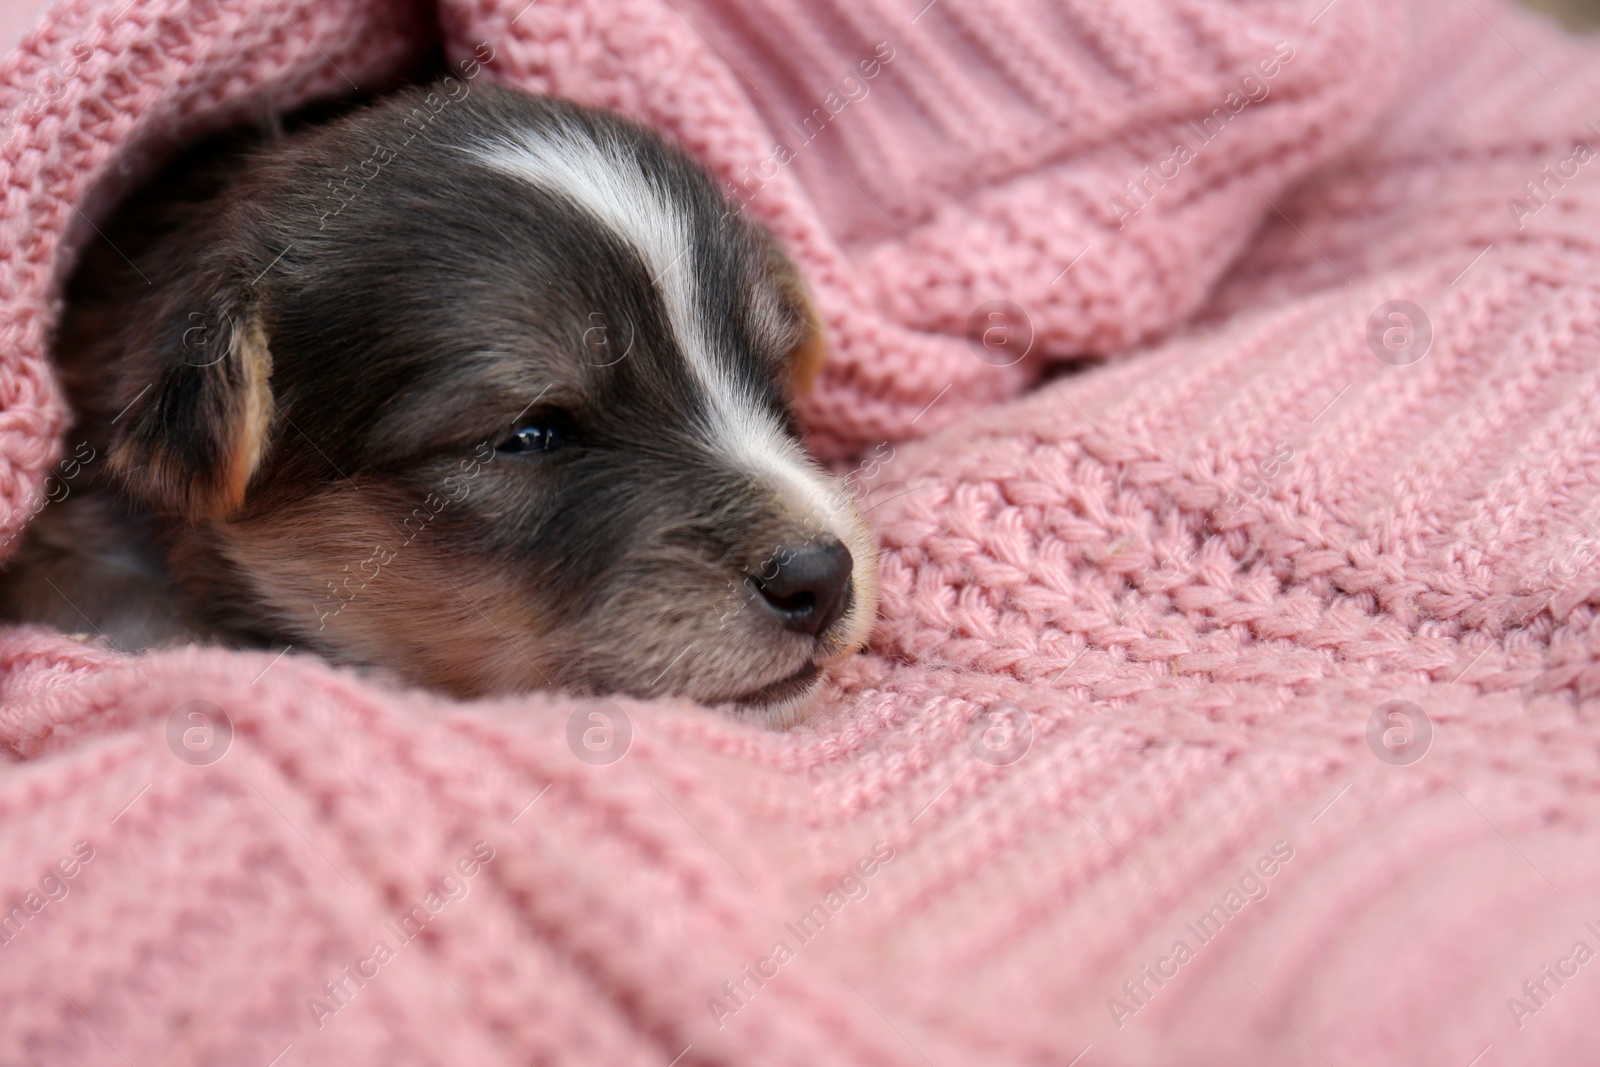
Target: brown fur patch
807,358
253,359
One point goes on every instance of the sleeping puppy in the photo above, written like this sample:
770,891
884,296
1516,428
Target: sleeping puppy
495,397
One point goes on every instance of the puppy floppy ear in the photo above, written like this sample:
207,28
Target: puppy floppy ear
806,358
199,407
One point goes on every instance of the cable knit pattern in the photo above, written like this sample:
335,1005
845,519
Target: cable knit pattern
1145,591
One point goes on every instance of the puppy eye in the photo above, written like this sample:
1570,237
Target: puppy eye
537,437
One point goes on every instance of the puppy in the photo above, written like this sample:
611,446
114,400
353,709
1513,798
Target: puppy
487,389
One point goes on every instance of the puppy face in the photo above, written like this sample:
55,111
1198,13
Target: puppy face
496,396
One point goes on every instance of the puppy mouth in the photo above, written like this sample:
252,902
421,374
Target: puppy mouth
783,689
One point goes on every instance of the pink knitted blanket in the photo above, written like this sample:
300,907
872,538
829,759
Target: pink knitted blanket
1234,700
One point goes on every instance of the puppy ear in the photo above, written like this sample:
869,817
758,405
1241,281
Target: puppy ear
809,352
806,358
199,409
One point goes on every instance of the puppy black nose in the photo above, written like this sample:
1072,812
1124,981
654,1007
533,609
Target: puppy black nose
809,587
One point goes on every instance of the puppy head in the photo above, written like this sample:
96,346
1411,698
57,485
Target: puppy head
494,391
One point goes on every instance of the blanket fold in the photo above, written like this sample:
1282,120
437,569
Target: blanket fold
1234,696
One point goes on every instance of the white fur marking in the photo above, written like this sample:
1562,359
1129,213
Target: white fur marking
604,178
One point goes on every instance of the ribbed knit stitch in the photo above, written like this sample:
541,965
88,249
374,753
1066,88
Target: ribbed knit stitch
1189,546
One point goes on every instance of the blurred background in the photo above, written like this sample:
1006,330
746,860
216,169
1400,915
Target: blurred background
1577,14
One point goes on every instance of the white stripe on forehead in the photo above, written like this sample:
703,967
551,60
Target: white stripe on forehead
604,178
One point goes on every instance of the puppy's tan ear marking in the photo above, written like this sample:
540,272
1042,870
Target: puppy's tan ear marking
807,357
189,442
254,416
803,362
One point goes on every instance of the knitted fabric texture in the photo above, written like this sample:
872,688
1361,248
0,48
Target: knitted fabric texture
1171,603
